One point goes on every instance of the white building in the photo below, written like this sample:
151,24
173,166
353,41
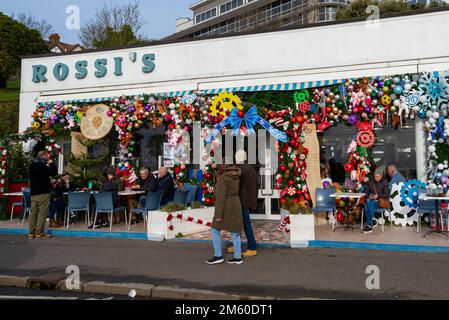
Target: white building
294,58
218,17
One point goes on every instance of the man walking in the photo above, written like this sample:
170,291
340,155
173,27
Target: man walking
248,199
41,170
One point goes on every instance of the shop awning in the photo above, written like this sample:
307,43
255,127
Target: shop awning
256,88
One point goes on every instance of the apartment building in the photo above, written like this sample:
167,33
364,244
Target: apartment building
217,17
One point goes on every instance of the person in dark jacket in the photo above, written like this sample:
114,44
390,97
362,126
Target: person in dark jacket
166,184
228,214
40,171
110,184
146,182
248,198
59,187
377,188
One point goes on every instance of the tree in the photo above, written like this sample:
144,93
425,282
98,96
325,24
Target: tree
44,28
124,37
358,7
110,26
16,40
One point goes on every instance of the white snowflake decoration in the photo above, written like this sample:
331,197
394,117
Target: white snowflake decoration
435,89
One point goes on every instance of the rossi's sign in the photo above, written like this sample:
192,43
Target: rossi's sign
99,68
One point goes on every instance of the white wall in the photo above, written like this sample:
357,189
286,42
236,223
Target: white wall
398,45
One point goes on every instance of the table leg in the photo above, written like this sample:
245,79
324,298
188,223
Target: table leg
437,213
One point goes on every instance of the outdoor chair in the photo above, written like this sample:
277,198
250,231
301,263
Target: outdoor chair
105,204
78,202
17,204
425,206
192,193
153,202
324,203
27,203
180,197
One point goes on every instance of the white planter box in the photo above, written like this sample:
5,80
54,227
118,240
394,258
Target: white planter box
157,227
302,230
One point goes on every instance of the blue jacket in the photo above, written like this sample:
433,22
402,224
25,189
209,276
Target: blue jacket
395,179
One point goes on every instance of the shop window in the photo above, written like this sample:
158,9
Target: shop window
393,147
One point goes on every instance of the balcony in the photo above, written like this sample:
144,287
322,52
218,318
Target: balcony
289,10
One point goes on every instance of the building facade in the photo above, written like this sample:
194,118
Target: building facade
217,17
56,46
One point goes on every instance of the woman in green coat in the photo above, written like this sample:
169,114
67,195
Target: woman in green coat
228,214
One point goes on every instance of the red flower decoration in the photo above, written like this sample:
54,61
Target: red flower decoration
304,107
169,217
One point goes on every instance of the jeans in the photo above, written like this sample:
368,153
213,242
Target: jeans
370,207
142,201
252,245
56,210
216,240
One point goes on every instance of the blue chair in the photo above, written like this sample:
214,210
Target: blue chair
424,206
104,204
153,202
180,197
78,202
324,202
192,192
27,203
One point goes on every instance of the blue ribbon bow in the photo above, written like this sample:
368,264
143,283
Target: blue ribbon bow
251,118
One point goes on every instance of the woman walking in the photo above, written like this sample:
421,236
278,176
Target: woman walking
228,214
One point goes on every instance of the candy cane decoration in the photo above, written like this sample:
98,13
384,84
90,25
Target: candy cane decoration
180,216
3,170
285,224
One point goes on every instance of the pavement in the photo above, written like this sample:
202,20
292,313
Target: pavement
176,270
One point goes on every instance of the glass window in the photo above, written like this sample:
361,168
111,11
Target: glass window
392,147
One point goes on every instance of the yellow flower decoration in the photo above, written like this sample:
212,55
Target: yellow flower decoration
227,101
36,125
80,114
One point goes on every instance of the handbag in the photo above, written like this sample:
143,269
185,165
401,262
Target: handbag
383,203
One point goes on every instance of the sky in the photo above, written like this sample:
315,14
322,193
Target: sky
161,15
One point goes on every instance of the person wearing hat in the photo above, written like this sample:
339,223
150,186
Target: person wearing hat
40,171
376,196
248,198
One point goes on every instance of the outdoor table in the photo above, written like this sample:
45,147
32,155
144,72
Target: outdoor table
130,193
437,210
347,208
13,194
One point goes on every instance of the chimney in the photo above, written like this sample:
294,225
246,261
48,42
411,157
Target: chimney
54,38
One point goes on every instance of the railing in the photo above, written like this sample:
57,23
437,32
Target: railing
268,15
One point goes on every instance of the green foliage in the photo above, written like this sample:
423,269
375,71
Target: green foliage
114,39
17,163
272,100
295,208
442,151
196,205
9,117
358,8
11,93
16,41
83,168
173,207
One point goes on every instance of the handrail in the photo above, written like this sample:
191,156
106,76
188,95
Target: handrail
274,13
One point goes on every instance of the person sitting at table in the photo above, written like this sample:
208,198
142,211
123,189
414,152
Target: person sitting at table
57,205
146,182
376,193
395,176
110,184
166,184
